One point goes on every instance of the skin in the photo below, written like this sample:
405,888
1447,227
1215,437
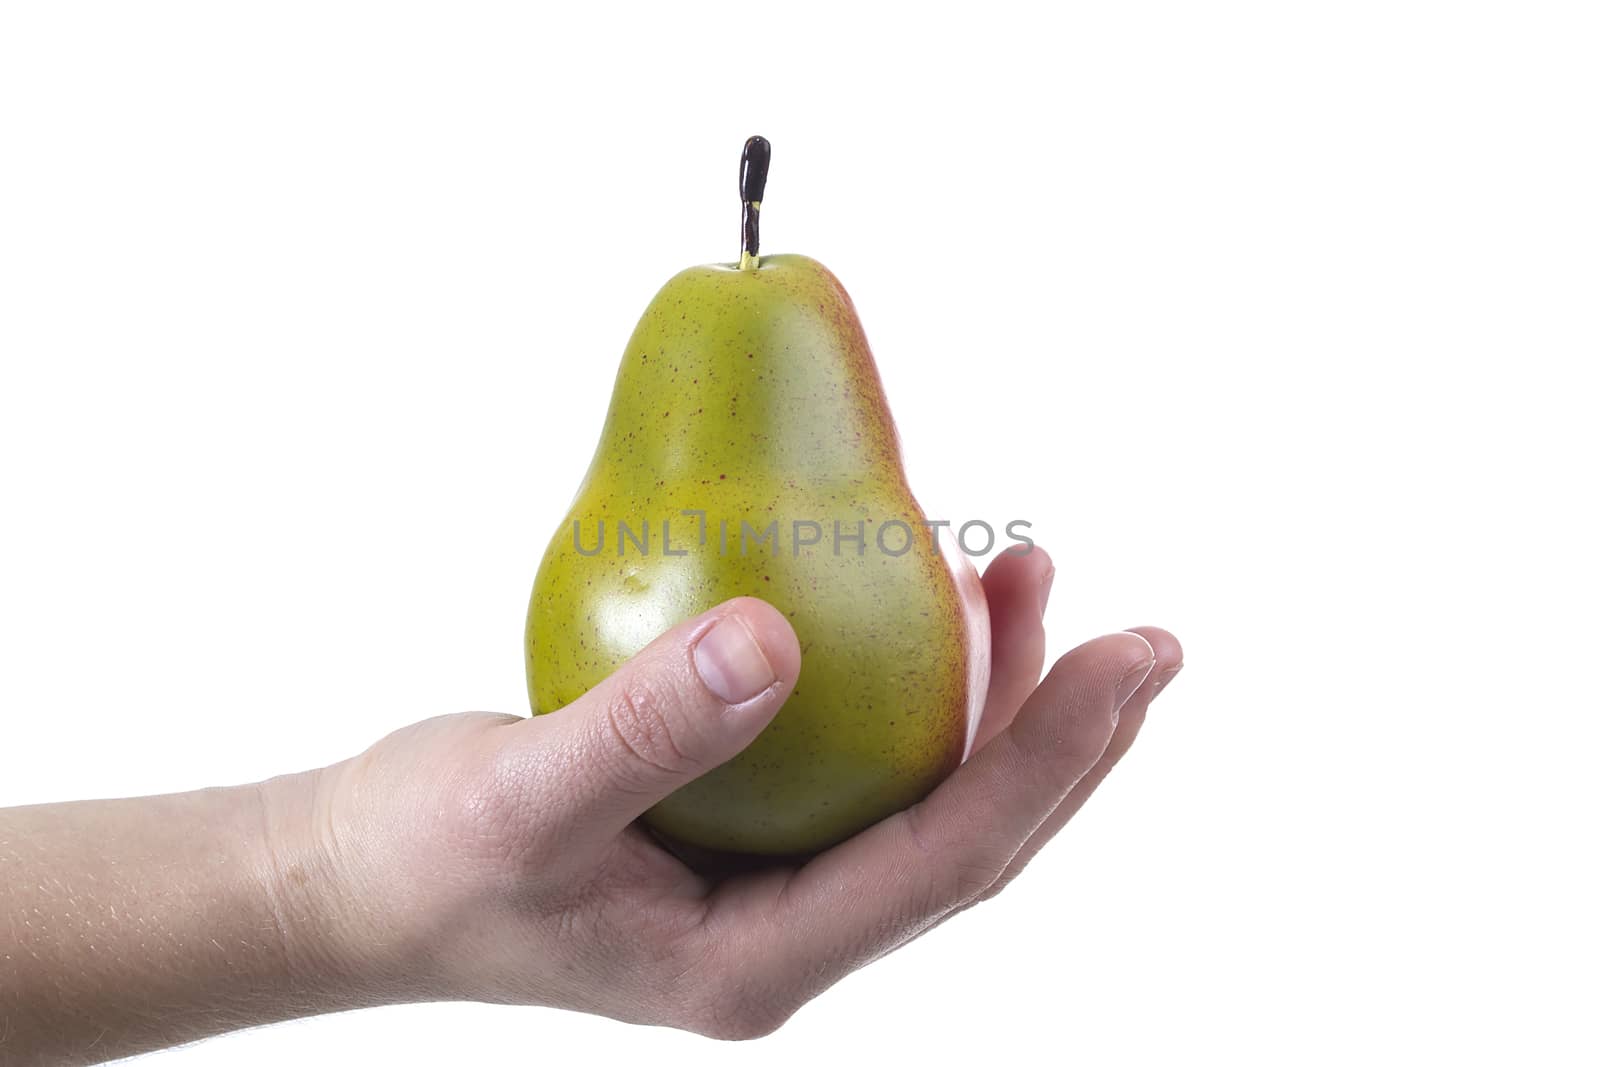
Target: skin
751,397
496,858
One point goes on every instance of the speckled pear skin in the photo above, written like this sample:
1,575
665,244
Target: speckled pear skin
751,396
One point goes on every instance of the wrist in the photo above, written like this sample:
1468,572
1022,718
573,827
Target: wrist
344,942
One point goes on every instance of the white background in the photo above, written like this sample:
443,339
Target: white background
1278,321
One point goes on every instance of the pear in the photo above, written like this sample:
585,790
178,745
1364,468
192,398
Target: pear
749,451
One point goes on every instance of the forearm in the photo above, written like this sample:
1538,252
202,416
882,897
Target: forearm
141,923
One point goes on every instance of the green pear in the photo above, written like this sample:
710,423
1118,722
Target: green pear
749,451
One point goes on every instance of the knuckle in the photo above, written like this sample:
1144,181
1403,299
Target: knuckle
647,728
954,886
959,876
970,878
996,888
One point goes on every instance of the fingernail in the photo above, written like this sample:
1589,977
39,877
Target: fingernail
731,663
1133,680
1045,583
1164,679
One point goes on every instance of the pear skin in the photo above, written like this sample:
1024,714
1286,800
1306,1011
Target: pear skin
748,443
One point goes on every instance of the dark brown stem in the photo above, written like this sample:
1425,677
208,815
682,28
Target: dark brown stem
752,185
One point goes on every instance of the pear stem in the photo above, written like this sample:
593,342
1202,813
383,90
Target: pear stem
752,185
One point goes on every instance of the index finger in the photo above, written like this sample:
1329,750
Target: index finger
894,880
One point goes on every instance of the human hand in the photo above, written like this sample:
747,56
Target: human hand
496,858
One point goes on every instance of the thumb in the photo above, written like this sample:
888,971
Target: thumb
691,700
